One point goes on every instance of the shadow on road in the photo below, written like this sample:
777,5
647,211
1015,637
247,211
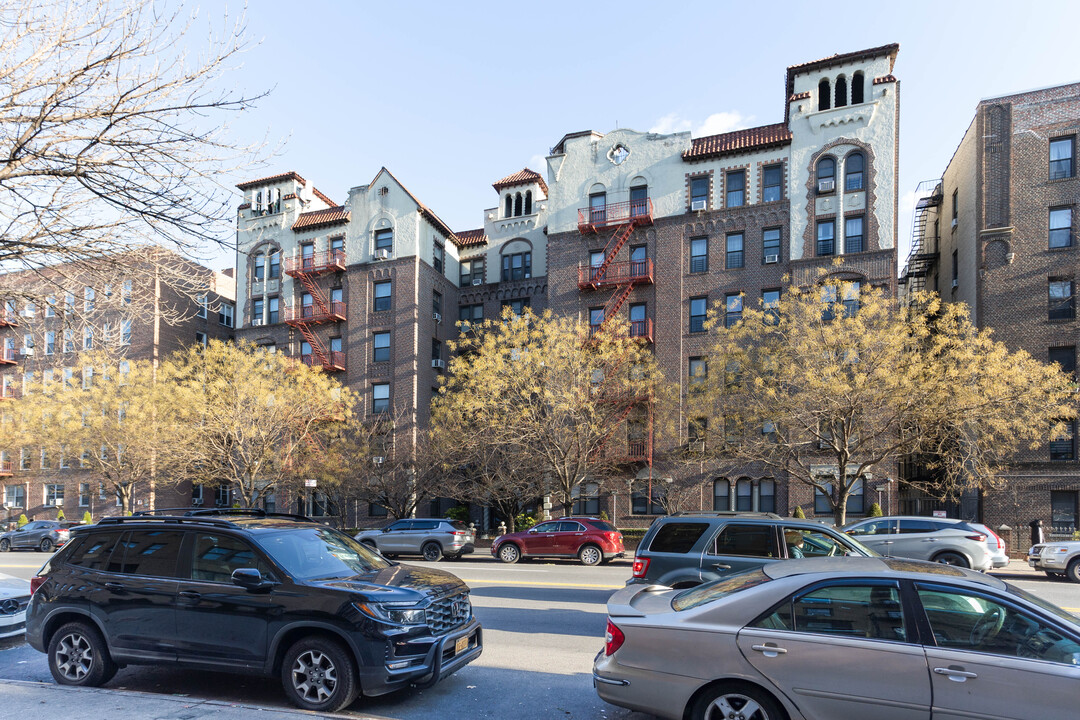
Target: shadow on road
553,621
544,594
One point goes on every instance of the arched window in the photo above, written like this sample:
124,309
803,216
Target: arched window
826,175
857,84
517,205
841,91
528,202
853,172
509,206
823,94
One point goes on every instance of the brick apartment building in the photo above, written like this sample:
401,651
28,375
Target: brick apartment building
997,232
40,342
628,227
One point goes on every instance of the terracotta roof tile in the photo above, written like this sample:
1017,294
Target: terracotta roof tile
244,206
322,197
319,218
289,196
522,177
884,79
272,179
469,238
738,141
891,49
799,96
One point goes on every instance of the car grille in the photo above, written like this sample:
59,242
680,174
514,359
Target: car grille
13,606
448,612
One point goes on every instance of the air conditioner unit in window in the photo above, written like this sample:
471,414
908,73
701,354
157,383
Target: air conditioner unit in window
825,186
770,259
478,281
698,205
378,460
954,223
382,254
27,351
196,501
437,317
438,364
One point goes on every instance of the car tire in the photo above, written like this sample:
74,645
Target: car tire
46,545
730,699
509,553
432,551
951,558
319,675
5,545
590,555
79,656
1073,571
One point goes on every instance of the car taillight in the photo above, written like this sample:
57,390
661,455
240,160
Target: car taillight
997,538
641,566
613,638
613,536
35,583
458,532
976,538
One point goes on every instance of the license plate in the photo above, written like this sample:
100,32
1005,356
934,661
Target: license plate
1031,562
461,645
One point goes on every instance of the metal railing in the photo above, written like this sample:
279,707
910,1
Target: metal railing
325,261
616,273
335,311
334,360
639,211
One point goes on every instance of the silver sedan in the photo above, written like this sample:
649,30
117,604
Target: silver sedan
840,638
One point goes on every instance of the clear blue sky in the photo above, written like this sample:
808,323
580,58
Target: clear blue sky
453,96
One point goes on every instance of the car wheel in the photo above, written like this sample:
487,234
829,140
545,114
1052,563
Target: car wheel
736,701
432,552
951,558
5,545
1073,571
509,553
46,545
318,675
590,555
79,656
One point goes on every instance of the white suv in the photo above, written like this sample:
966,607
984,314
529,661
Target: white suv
1057,558
943,540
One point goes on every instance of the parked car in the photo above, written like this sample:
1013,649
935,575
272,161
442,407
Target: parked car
432,538
840,639
999,553
687,549
942,540
589,539
1056,559
246,591
14,597
43,535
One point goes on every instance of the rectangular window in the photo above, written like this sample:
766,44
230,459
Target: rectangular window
517,306
770,245
697,430
641,504
438,256
50,342
1065,357
335,346
69,302
770,303
699,308
260,269
853,234
826,236
384,240
472,272
734,251
1062,304
226,314
771,179
1060,227
436,302
69,340
380,398
257,312
639,201
517,266
50,306
698,374
28,344
382,296
88,338
733,307
735,188
201,339
955,205
470,314
854,502
851,299
1061,158
699,254
337,245
382,347
1064,511
54,494
596,319
1063,446
699,193
15,496
84,494
721,495
125,292
88,298
436,350
204,306
273,310
275,265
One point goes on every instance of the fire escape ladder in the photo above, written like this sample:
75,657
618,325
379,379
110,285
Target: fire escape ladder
316,294
618,239
623,414
317,349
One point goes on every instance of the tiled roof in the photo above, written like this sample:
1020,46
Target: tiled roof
244,206
272,179
289,196
738,141
891,49
521,177
884,79
322,197
469,238
799,96
319,218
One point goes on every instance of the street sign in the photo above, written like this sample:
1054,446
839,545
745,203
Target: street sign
939,513
311,482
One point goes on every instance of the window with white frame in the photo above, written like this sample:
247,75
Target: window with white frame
84,494
15,496
54,494
855,503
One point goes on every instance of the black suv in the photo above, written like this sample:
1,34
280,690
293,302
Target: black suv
687,549
245,591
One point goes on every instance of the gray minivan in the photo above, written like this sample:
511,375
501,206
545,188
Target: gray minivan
687,549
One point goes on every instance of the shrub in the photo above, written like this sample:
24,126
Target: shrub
22,520
875,510
524,522
87,518
799,513
60,514
459,513
603,515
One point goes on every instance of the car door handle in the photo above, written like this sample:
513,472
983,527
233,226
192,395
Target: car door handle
190,595
955,674
721,566
769,650
114,586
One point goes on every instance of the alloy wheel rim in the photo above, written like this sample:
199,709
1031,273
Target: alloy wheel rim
430,553
590,556
509,552
735,707
314,676
74,656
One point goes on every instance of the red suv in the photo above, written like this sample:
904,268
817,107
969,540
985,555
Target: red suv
589,539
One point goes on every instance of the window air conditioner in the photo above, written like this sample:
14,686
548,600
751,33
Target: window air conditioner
382,254
27,351
825,186
438,364
954,223
437,317
698,205
956,283
770,259
196,501
378,460
478,281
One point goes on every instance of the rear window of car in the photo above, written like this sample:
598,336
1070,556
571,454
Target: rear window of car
717,589
677,537
603,526
457,525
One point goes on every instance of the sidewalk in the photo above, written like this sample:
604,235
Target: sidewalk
1018,569
32,699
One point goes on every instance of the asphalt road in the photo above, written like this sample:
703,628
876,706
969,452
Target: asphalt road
543,623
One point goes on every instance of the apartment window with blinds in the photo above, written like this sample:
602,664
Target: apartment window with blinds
1061,157
699,254
853,234
1060,227
735,188
771,179
734,251
826,237
770,245
1062,303
699,308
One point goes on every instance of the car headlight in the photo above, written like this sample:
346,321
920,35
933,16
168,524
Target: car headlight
1057,549
397,613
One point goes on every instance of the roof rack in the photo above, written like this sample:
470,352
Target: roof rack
147,517
728,513
252,512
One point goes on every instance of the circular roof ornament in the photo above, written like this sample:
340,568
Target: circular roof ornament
618,154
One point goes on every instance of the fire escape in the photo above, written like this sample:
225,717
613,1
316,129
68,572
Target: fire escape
924,248
8,318
622,276
305,317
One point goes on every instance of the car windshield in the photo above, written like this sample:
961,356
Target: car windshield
717,589
319,552
1054,610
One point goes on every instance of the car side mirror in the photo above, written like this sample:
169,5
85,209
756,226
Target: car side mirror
532,530
250,579
386,529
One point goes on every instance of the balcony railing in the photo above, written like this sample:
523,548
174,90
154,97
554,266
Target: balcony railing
320,262
640,212
617,273
313,314
335,361
8,318
7,467
9,356
641,329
